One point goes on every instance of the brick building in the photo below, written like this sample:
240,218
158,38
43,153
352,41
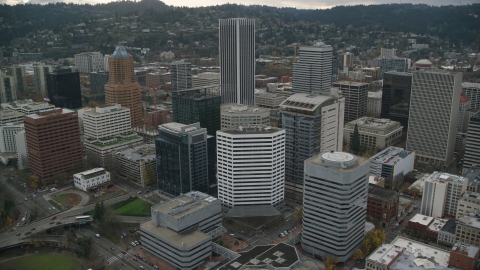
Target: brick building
463,256
53,139
425,226
382,205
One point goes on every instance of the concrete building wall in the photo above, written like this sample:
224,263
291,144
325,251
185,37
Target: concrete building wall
22,152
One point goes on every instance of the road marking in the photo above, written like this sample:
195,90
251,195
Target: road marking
112,259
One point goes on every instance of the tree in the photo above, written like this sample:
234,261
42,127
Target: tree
373,239
85,244
97,212
355,142
299,212
358,254
92,104
330,262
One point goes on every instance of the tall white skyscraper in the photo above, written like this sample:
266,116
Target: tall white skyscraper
237,60
432,124
313,70
251,169
334,204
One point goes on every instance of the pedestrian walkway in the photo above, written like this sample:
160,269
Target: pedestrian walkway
112,259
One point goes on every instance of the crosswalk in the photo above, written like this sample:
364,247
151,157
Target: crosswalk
112,259
120,255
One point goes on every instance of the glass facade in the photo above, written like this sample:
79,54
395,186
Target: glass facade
397,87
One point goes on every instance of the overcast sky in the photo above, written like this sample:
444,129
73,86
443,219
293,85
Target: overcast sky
303,4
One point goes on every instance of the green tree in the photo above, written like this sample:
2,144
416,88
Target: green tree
355,142
85,244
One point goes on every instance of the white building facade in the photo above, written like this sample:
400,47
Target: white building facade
92,178
89,62
8,134
22,153
251,166
441,194
374,104
233,115
106,121
313,70
334,204
237,60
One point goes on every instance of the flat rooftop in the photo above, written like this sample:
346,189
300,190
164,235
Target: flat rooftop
8,113
370,122
472,175
446,177
377,94
180,128
351,83
252,129
37,116
242,109
437,224
421,219
390,155
280,256
331,160
142,152
381,193
450,226
416,255
304,102
466,248
470,219
187,238
184,204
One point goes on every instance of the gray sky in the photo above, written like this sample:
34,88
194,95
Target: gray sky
303,4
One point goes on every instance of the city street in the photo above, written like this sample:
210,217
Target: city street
393,233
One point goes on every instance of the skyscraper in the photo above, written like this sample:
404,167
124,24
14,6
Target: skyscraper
397,87
472,90
181,75
182,158
356,95
251,162
19,75
63,87
53,141
89,62
313,70
472,148
237,60
8,88
122,87
313,124
394,64
434,110
40,72
334,224
200,105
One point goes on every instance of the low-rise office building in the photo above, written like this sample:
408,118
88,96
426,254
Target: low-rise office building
406,254
382,205
91,179
464,256
469,203
27,106
374,133
468,230
393,163
181,230
137,164
446,236
10,117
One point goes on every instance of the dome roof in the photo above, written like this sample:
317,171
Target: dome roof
464,98
423,62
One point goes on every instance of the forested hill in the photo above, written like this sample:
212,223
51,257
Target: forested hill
448,22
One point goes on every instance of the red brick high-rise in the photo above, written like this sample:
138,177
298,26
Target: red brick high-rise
122,87
53,142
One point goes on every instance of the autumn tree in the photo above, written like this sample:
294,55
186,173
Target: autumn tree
358,254
299,212
373,239
330,262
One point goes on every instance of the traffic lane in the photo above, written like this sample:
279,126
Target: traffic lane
107,244
287,226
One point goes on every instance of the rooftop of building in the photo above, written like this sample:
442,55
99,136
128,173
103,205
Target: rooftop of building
242,109
472,174
50,112
471,219
464,98
423,62
7,113
120,52
27,104
304,101
450,226
184,239
391,155
375,179
351,83
469,195
469,250
421,219
371,122
106,108
376,94
145,152
443,177
470,85
340,161
180,128
437,224
91,173
279,256
184,204
416,255
381,193
252,129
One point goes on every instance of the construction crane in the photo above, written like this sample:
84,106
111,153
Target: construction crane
294,46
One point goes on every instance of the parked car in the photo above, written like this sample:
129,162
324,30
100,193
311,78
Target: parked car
54,217
135,259
112,248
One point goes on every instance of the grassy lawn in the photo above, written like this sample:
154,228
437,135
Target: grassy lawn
137,207
54,203
61,198
42,262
